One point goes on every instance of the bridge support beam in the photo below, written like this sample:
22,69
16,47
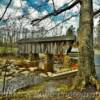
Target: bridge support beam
48,64
36,59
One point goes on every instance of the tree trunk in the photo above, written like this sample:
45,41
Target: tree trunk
85,37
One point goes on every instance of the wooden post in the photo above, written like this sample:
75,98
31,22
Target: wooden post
51,48
33,48
48,64
36,59
42,47
55,48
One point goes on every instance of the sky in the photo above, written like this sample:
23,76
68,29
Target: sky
39,8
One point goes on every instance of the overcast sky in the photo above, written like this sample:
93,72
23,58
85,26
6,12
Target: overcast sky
38,8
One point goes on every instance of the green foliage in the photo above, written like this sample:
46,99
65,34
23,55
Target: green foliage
8,49
63,88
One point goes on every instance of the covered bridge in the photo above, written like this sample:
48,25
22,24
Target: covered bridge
52,45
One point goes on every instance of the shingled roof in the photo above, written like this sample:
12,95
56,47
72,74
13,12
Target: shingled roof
47,39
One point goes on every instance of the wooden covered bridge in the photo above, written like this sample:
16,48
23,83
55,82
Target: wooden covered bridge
50,45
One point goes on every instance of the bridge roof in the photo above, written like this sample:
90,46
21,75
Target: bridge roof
47,39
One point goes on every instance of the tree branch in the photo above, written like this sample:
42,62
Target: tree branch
5,10
55,13
96,12
58,24
62,22
53,5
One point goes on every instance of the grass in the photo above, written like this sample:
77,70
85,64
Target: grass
37,89
97,48
8,49
33,89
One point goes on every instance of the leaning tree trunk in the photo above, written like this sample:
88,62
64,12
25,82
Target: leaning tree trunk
85,36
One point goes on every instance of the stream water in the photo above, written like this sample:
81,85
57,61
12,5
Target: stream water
97,63
97,59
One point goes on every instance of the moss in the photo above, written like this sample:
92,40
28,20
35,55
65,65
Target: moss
63,88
